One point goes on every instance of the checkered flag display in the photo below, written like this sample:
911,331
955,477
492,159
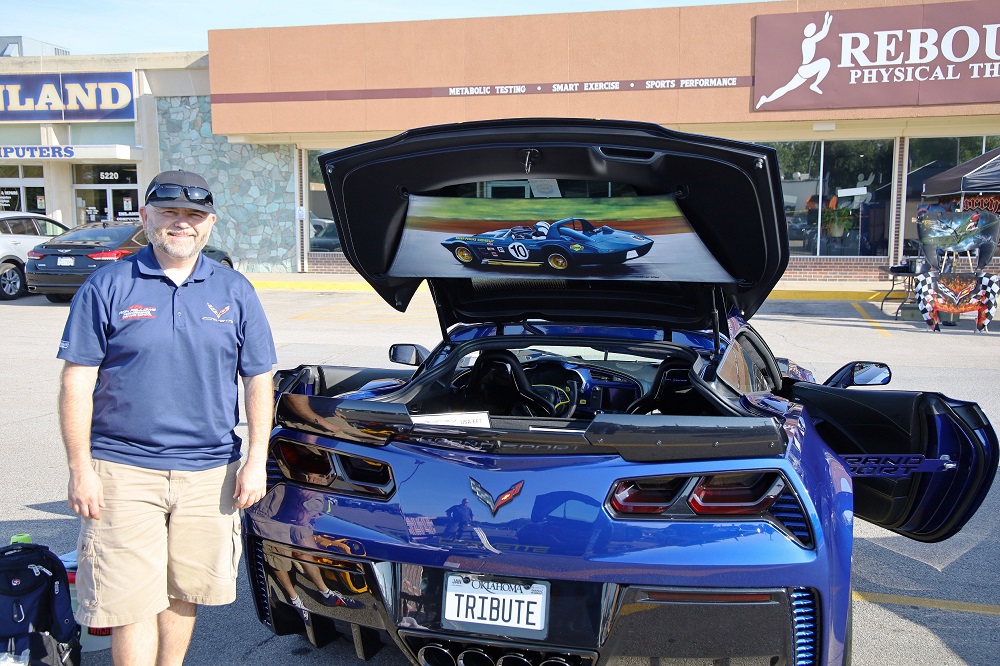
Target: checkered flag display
955,293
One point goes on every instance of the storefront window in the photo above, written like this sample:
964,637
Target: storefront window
323,236
22,188
836,196
105,174
856,198
799,162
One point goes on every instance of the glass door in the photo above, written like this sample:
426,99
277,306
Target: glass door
125,204
106,193
92,205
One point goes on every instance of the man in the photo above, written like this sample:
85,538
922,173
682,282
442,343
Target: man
153,347
460,518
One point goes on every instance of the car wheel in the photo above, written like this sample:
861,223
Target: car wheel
12,284
557,261
464,254
59,298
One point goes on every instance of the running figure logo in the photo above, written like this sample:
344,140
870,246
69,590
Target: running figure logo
810,67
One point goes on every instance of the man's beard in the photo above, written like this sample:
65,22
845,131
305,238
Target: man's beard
176,247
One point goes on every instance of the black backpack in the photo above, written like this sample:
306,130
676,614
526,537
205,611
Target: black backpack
35,609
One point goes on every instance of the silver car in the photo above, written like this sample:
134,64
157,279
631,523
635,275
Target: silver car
19,232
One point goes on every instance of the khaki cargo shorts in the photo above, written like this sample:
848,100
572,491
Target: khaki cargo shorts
163,534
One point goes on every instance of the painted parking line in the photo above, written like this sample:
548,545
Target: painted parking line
878,327
923,602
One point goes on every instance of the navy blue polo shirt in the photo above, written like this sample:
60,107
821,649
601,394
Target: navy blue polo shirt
170,359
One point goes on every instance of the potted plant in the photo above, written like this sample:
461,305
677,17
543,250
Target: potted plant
837,222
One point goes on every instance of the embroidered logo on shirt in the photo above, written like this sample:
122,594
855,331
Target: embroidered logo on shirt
137,311
218,314
64,344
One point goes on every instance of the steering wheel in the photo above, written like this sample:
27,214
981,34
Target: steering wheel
562,399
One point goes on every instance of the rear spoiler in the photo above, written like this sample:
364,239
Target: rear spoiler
646,438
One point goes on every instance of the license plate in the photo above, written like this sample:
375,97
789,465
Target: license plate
499,606
65,261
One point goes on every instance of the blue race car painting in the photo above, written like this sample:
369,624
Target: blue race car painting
557,246
588,469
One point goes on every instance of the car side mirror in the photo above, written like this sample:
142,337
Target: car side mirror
860,373
408,354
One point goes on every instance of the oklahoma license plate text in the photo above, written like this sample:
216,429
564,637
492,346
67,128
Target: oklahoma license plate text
502,603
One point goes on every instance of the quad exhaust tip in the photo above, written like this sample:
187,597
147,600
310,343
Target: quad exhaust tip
514,659
474,657
436,654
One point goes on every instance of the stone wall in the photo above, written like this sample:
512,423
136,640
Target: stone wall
253,185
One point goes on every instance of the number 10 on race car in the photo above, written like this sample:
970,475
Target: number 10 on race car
518,251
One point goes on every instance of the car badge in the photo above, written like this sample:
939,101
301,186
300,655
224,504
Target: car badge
506,497
64,251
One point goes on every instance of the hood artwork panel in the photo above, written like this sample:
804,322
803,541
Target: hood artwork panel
627,238
973,232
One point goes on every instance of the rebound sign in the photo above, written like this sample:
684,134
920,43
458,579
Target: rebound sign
946,53
67,97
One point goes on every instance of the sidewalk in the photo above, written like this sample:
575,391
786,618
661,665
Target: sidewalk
786,290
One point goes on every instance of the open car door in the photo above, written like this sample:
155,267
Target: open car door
922,463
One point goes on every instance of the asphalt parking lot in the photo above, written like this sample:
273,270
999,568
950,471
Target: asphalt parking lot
914,603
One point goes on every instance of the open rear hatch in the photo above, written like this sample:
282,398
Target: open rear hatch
697,225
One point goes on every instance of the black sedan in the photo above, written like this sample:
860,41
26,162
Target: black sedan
326,240
59,266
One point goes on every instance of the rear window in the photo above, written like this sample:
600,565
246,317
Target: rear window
113,235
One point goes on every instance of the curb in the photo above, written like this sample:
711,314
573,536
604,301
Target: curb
826,295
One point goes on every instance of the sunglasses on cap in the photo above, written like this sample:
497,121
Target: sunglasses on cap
168,192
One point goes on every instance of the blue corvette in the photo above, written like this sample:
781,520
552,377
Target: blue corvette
587,468
558,246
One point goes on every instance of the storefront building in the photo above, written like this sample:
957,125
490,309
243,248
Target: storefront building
81,136
864,100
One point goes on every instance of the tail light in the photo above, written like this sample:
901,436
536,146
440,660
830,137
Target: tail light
749,493
740,493
365,471
301,462
34,254
339,472
108,255
645,496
